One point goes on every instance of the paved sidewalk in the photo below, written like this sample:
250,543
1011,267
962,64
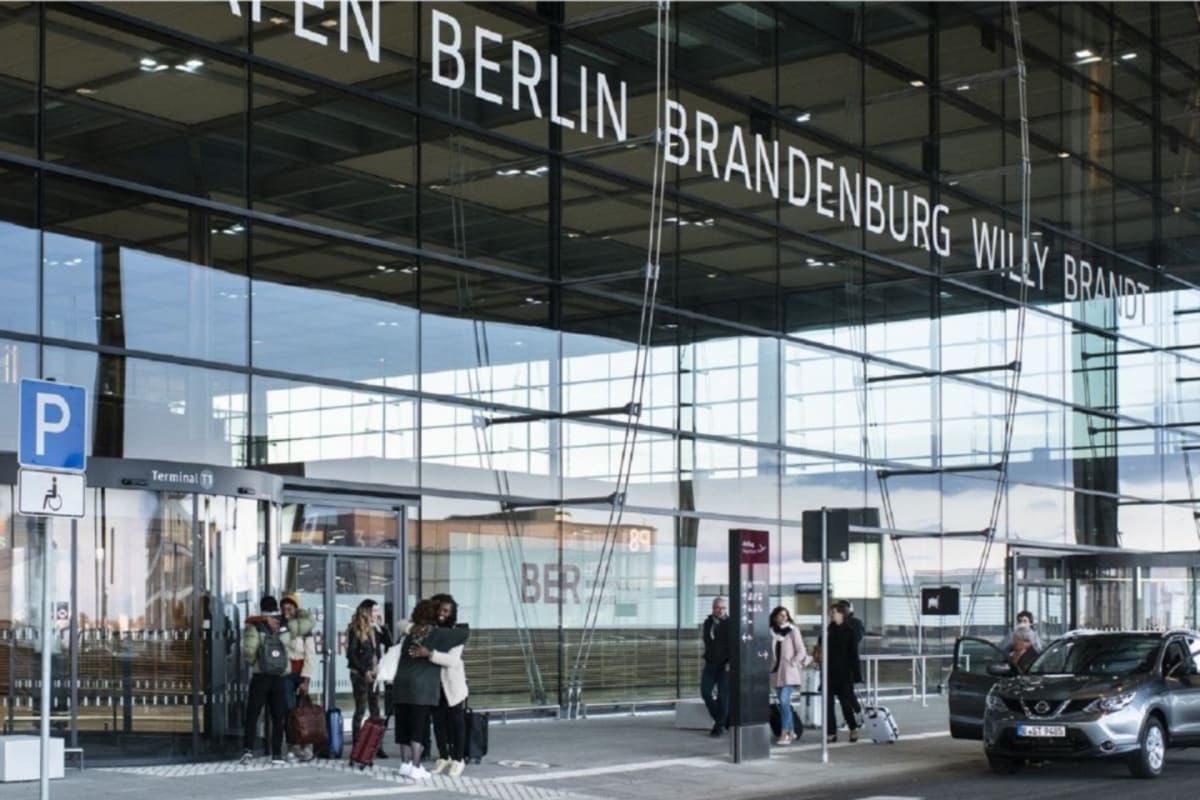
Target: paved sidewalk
613,757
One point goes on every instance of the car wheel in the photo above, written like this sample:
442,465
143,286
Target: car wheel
1005,766
1147,762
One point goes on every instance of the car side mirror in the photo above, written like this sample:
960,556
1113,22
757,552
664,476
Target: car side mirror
1001,670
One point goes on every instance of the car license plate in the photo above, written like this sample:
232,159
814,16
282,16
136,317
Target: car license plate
1042,731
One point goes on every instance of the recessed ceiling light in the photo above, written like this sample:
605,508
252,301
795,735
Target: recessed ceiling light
805,117
329,23
85,91
149,62
506,173
1128,56
279,20
397,185
1064,154
917,84
952,183
712,274
962,87
1035,234
1085,53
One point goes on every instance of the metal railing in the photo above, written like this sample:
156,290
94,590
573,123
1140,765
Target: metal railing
918,683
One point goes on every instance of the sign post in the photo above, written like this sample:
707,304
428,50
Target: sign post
826,537
52,454
750,667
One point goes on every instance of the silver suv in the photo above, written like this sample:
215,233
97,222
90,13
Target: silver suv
1089,695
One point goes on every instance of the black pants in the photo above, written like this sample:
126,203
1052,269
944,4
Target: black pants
844,693
412,721
269,691
450,728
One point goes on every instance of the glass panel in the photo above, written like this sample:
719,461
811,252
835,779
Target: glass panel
304,576
152,409
313,524
356,580
1105,598
18,77
331,309
126,271
368,436
21,548
17,360
1165,601
135,617
632,653
140,109
499,565
18,268
233,545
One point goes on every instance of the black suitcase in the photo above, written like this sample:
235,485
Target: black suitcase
775,719
477,736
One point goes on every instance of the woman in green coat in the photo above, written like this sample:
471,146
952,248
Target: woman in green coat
418,683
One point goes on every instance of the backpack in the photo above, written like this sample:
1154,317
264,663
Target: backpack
273,656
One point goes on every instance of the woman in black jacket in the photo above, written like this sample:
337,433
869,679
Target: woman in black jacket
844,671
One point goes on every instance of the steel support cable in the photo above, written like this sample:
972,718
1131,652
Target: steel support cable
1019,346
642,355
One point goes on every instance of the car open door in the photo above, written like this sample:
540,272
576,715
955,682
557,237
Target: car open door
969,683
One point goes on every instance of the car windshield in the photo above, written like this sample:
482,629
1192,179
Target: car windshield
1098,655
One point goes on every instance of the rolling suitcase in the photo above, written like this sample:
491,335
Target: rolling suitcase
333,719
775,719
880,725
370,739
477,736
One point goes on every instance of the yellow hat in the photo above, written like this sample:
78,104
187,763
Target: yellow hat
292,598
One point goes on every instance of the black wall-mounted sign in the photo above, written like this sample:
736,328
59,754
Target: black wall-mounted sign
749,609
939,601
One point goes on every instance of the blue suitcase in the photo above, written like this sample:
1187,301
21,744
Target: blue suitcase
334,718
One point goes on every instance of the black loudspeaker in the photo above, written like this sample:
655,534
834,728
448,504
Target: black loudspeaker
837,535
939,601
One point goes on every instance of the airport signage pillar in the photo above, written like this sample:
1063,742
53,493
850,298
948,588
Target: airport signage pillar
750,666
52,454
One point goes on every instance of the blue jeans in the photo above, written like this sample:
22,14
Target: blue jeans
785,709
716,677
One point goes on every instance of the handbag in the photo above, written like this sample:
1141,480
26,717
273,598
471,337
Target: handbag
306,724
386,671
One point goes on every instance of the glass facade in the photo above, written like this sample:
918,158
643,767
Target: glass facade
285,237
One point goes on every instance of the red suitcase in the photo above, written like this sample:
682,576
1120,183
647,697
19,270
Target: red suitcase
370,739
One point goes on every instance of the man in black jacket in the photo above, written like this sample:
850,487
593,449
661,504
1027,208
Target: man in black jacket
715,678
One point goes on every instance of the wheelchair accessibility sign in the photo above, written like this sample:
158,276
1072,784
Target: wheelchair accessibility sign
44,493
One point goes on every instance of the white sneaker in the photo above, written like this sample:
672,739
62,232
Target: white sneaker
419,773
247,757
406,770
456,768
440,766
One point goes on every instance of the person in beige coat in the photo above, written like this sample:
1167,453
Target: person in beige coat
790,657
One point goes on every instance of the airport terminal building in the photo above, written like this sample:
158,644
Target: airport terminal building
534,302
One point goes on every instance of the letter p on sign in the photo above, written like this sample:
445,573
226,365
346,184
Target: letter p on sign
52,426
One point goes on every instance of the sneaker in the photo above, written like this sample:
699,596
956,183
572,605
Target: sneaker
419,773
831,737
406,770
291,757
785,739
716,731
306,753
854,734
440,766
247,757
456,768
277,761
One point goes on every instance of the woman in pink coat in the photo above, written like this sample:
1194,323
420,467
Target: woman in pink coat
790,658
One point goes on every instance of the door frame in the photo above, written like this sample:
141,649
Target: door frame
398,556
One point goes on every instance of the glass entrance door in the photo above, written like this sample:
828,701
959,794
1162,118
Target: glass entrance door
335,557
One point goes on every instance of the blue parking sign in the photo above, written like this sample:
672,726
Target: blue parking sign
52,421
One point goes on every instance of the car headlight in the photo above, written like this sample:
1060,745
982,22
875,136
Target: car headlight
1107,705
995,703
